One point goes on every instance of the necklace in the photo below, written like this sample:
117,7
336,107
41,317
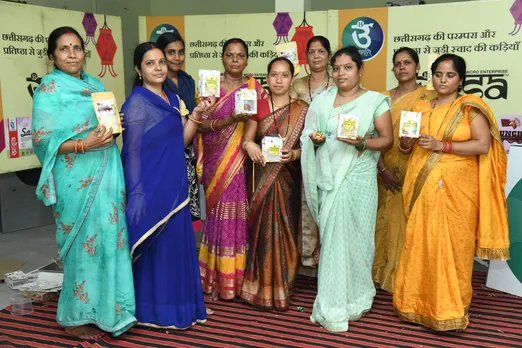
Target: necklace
324,89
397,90
228,83
444,119
165,98
282,117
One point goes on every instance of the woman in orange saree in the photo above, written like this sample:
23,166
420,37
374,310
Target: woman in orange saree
391,221
221,167
273,222
454,200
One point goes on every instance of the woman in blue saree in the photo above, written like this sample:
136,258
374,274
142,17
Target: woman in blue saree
182,84
82,180
163,247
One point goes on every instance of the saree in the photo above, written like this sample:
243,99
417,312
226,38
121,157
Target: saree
163,246
187,91
341,191
391,221
222,254
273,220
308,242
87,194
456,207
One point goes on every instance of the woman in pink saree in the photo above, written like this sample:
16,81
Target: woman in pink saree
221,167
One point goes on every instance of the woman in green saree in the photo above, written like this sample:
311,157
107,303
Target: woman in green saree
340,180
82,180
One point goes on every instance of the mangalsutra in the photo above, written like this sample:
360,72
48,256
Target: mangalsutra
434,105
324,89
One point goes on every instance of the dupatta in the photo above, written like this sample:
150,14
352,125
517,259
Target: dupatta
154,164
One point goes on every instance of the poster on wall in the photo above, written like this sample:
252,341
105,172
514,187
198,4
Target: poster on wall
24,30
19,139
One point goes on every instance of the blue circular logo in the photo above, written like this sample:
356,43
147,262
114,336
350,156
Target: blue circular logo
366,34
160,29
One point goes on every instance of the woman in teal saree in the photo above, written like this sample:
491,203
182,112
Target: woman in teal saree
340,181
82,180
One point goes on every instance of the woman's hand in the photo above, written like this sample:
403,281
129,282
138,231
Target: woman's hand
357,142
101,136
204,105
427,142
240,117
317,138
255,153
287,156
407,143
136,208
391,182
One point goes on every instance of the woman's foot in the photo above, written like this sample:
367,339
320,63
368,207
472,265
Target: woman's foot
210,311
85,332
211,297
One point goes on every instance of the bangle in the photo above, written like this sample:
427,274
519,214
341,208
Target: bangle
193,119
76,146
382,170
447,147
363,145
213,124
245,142
404,151
81,148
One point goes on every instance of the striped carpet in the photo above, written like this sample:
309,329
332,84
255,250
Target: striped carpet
496,321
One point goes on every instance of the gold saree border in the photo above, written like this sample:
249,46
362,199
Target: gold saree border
172,327
158,224
493,254
437,325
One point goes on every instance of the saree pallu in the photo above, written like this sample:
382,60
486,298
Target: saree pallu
341,191
273,223
187,91
391,221
87,194
222,254
456,207
308,239
163,246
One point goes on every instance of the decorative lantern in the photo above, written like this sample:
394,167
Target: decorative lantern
282,24
303,33
106,47
89,24
516,12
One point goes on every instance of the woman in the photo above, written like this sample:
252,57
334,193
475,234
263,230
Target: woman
163,247
182,84
82,180
273,224
454,200
340,180
391,222
307,88
222,255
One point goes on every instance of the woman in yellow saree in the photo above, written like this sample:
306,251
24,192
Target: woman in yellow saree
391,222
454,201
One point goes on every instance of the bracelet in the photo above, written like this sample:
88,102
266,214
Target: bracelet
212,124
245,142
76,146
363,145
447,147
382,170
404,151
193,119
81,148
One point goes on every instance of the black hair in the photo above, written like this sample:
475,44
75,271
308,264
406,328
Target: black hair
410,51
322,40
281,59
351,51
139,52
458,63
52,41
166,39
233,41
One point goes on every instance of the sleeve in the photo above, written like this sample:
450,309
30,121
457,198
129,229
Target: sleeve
382,107
135,122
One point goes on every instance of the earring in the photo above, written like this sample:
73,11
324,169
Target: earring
139,77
